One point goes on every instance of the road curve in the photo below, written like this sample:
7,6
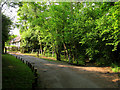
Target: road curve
61,75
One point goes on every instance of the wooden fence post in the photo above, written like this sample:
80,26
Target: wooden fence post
23,61
32,68
30,65
26,62
35,72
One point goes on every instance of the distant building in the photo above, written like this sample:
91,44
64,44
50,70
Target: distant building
15,41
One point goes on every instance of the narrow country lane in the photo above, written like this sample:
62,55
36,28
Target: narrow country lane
61,75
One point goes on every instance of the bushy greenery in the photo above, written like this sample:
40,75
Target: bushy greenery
6,26
115,67
9,39
79,30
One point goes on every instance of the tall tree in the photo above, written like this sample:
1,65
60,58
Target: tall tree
6,26
83,31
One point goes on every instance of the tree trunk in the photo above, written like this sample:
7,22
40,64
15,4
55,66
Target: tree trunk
76,56
38,53
45,51
65,53
58,56
69,58
53,52
41,48
57,51
70,54
45,48
66,49
5,50
73,57
3,46
32,50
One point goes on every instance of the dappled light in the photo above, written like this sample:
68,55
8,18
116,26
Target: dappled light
52,71
116,80
66,44
90,69
104,71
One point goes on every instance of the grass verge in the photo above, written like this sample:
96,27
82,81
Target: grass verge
15,74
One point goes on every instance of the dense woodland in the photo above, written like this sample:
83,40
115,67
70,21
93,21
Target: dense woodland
74,31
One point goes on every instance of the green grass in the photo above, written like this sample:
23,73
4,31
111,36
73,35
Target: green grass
15,74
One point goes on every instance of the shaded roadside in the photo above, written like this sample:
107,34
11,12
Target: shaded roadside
62,75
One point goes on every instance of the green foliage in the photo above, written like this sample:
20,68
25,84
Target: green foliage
82,30
6,23
9,39
115,67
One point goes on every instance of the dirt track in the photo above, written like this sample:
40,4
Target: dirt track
61,75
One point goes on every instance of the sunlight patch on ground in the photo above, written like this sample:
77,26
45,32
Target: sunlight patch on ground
50,64
91,69
116,80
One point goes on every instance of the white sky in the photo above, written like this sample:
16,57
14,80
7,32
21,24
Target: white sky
12,13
